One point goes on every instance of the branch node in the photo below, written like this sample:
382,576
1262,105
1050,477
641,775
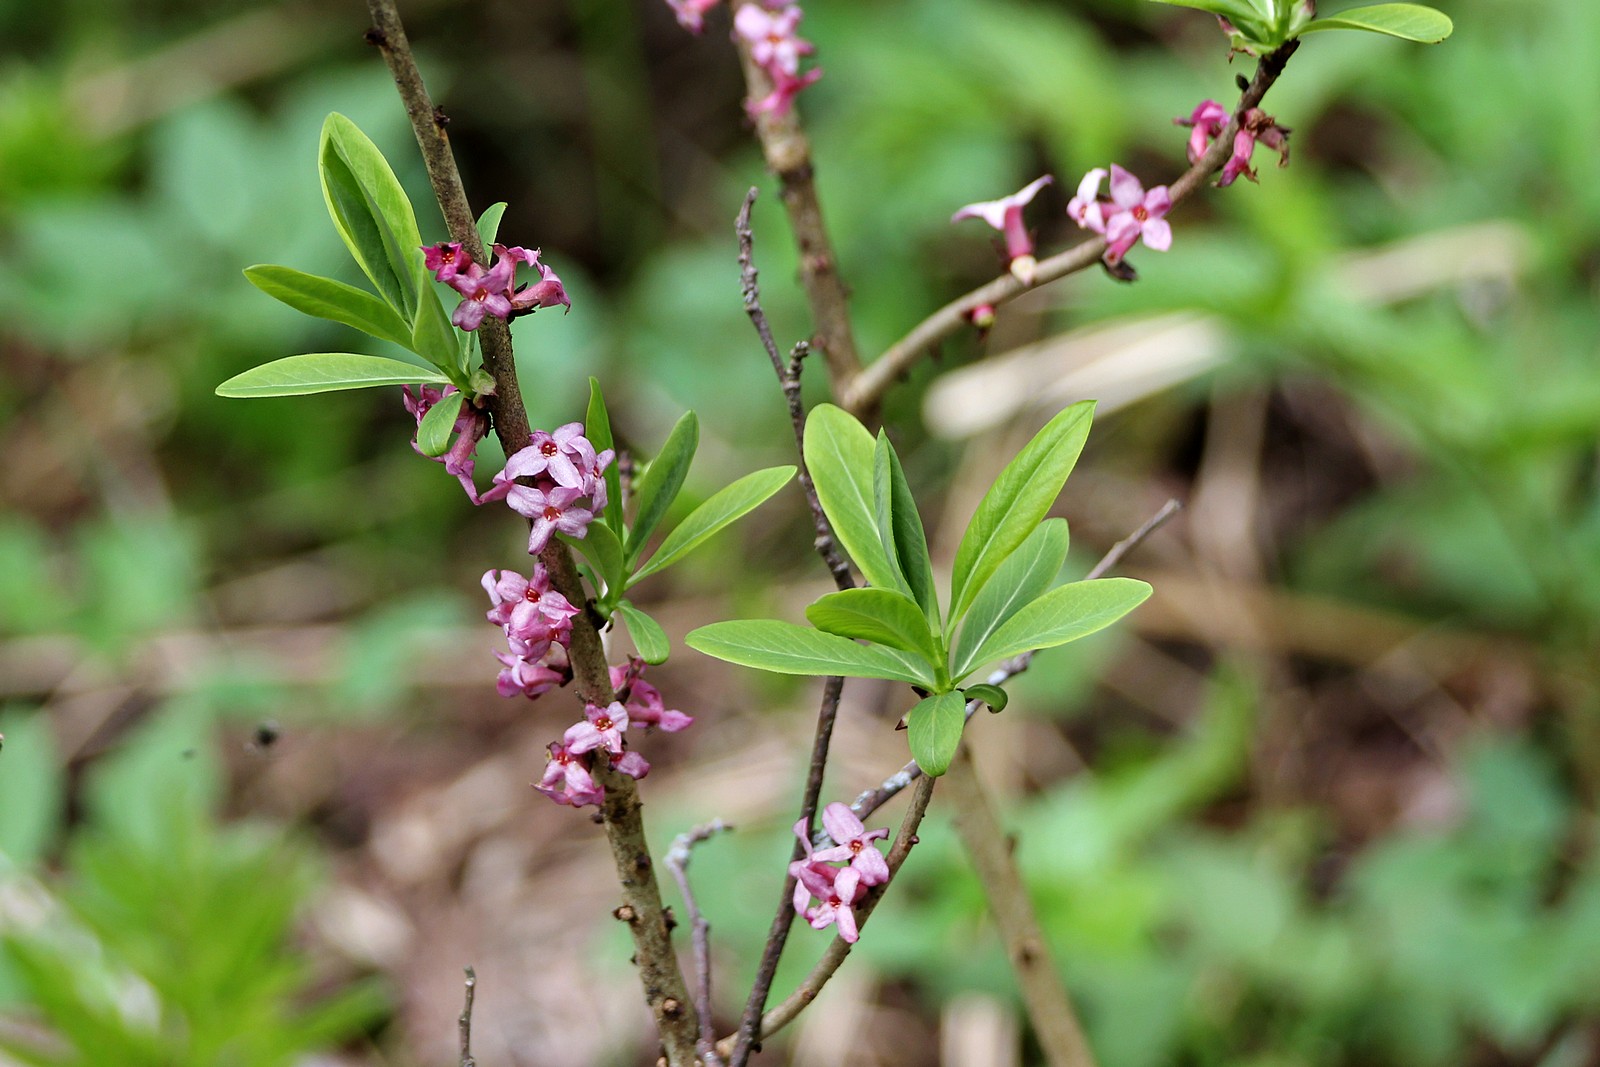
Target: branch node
625,914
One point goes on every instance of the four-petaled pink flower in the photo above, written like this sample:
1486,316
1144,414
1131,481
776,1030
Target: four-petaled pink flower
551,511
771,36
853,844
531,612
643,700
1206,123
567,780
564,456
520,676
601,728
445,259
837,889
1005,215
630,763
492,292
484,292
1132,213
836,904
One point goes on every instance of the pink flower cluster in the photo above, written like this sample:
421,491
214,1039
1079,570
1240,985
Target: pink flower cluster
492,292
470,427
566,472
776,48
837,889
1131,215
569,776
1210,119
537,621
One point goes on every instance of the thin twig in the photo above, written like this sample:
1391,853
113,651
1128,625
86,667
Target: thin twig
677,861
807,991
659,971
788,155
868,388
464,1023
875,798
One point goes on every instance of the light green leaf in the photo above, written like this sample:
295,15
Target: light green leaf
884,616
325,372
839,455
31,789
433,433
900,530
328,299
1063,614
434,338
658,487
489,224
600,546
648,637
991,695
784,648
1019,498
1021,579
1409,22
934,727
1232,10
597,428
722,508
371,212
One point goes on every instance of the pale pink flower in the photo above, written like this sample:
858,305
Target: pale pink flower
643,700
564,456
552,511
692,13
532,613
1131,215
771,36
1005,215
630,763
567,779
528,677
601,728
785,87
471,426
853,844
836,904
1206,123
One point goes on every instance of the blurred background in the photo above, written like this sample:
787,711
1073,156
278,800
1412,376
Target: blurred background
1326,799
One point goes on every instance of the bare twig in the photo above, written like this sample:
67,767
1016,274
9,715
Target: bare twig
801,998
464,1023
875,798
659,972
864,393
677,861
788,155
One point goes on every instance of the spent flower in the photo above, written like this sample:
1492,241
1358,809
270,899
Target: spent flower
1005,215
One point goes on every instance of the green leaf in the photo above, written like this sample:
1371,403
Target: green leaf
784,648
1232,10
31,789
991,695
433,336
325,298
1063,614
1019,498
1021,579
648,637
883,616
325,372
900,529
489,224
433,433
658,487
600,546
597,428
722,508
839,455
371,212
935,726
1409,22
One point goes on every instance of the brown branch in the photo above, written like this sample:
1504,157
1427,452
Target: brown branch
864,393
788,156
834,956
659,972
677,861
464,1022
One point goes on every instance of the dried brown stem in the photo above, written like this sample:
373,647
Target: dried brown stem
864,393
464,1022
677,861
659,972
788,155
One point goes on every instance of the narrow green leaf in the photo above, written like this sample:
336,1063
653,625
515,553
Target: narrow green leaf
839,455
1019,498
1233,10
991,695
597,428
433,337
723,507
1409,22
1021,579
935,726
1063,614
900,530
324,372
600,546
328,299
883,616
433,433
784,648
648,637
658,487
489,224
371,212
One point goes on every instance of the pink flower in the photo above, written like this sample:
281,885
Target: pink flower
445,260
853,844
785,87
1207,122
691,13
836,904
1005,215
773,43
1132,213
546,292
484,293
565,457
529,677
630,763
531,612
552,511
1210,120
490,292
567,779
643,700
471,426
601,728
